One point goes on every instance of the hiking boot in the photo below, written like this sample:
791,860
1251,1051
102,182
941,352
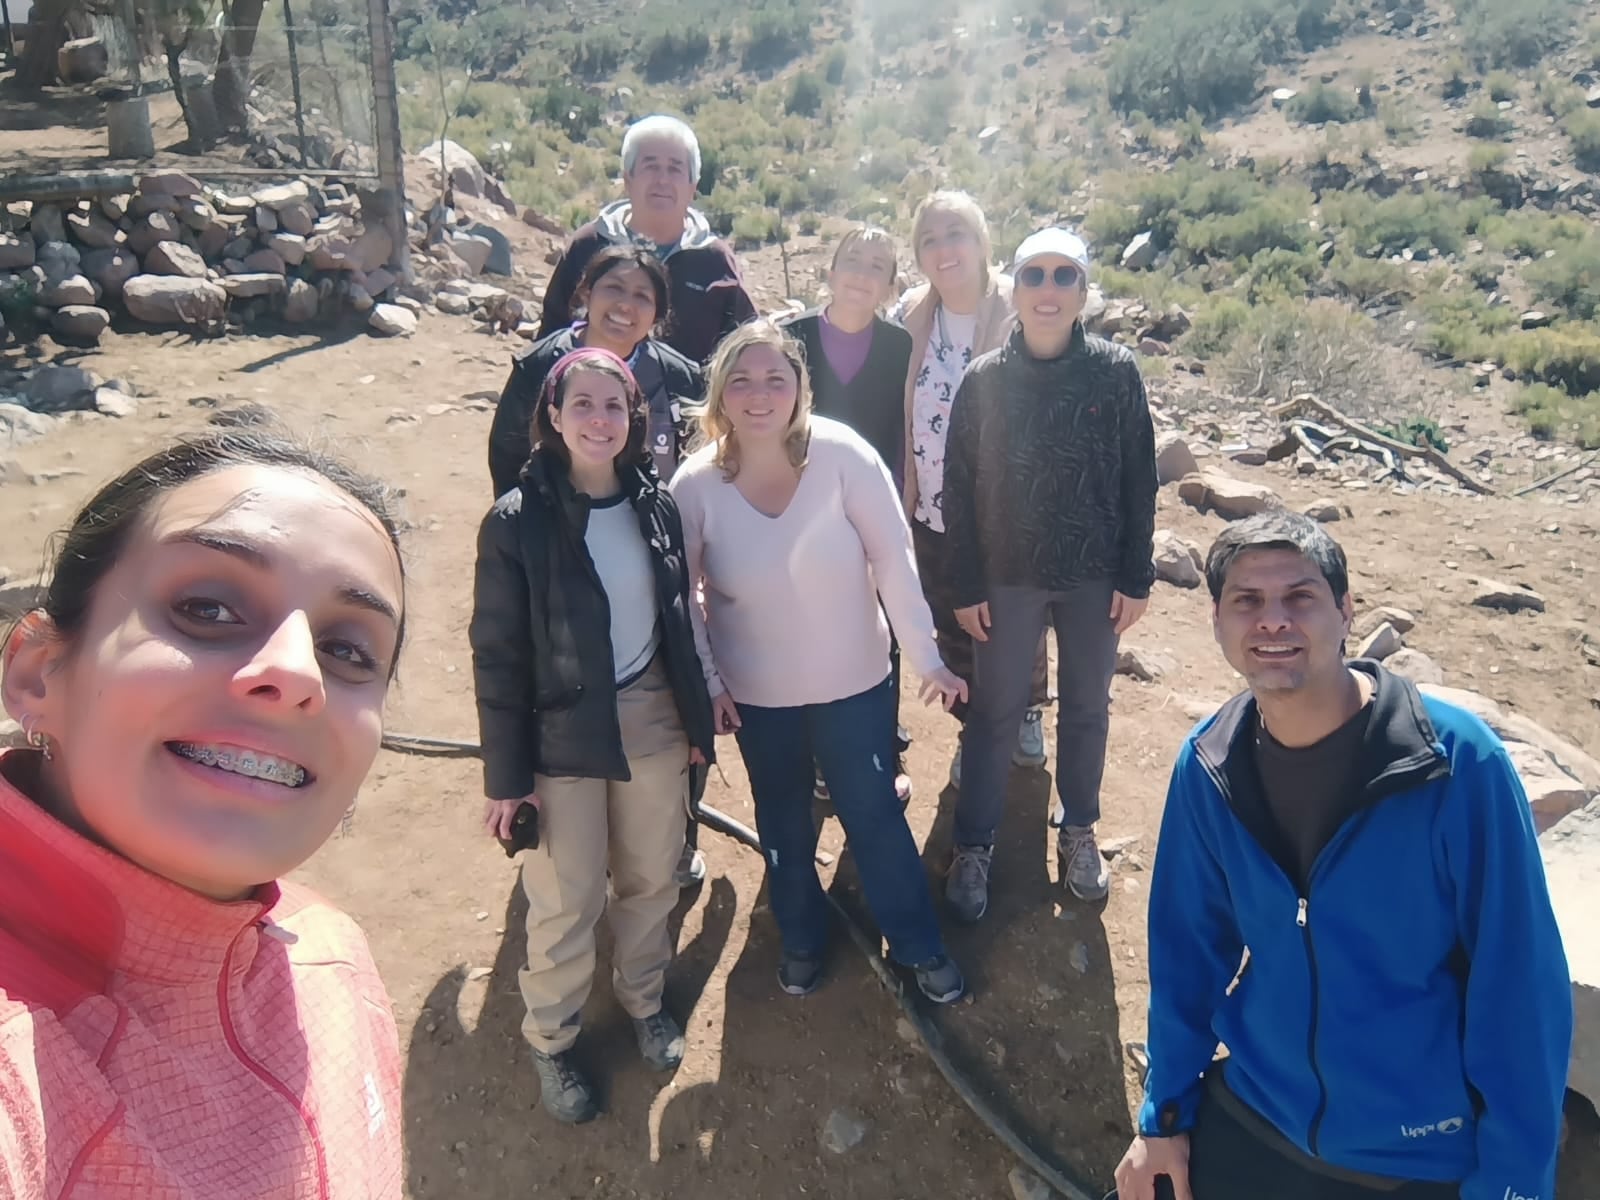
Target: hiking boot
966,887
660,1041
1081,864
691,868
799,974
1031,751
939,979
563,1090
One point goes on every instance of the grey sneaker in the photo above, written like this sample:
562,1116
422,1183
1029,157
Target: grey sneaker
563,1090
691,868
1081,864
660,1041
967,885
939,979
1031,751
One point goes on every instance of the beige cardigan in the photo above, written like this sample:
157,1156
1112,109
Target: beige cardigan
919,306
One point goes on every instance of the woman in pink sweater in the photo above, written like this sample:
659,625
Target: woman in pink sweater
201,688
794,530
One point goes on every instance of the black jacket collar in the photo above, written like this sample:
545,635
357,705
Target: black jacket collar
551,481
1017,347
1400,751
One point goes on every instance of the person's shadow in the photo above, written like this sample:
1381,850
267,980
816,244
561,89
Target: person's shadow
1042,1037
471,1094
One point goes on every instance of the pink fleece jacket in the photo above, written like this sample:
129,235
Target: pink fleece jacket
157,1045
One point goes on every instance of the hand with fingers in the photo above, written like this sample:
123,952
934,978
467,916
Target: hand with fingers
975,621
945,686
498,815
1126,611
724,713
1151,1157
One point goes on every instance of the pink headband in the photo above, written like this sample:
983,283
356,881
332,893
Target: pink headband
574,360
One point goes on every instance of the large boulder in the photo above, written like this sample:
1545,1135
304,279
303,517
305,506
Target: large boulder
298,218
80,322
253,284
94,229
47,224
149,233
1174,459
264,262
1572,871
1177,561
474,252
390,320
69,289
282,195
1140,254
16,253
364,252
110,269
1558,776
1230,498
1507,597
290,247
302,303
463,170
169,182
499,260
82,60
174,258
174,300
56,389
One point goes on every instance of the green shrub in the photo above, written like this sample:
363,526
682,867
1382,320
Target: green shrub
1278,273
1498,34
1565,356
673,54
1319,346
1217,322
1398,119
597,55
1487,121
1460,326
805,95
835,65
1530,233
1502,85
1366,280
1549,412
1560,98
753,228
1321,104
1570,279
1276,222
777,35
1427,220
568,107
1582,127
1483,159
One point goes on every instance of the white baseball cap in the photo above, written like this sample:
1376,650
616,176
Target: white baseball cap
1052,241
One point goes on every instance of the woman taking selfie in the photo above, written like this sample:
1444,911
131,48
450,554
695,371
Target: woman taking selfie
795,532
591,708
962,311
202,690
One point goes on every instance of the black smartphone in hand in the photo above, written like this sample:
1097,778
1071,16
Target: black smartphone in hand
524,830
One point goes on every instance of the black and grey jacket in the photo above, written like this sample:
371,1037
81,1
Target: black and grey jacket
541,632
672,386
1050,471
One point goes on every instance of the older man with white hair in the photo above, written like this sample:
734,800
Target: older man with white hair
660,173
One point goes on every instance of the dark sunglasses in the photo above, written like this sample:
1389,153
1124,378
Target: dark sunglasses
1066,276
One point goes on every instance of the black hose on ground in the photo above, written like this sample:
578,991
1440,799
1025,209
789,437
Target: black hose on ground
932,1040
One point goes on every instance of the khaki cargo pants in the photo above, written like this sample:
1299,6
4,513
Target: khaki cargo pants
587,827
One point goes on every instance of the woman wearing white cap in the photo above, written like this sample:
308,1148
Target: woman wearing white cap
1049,510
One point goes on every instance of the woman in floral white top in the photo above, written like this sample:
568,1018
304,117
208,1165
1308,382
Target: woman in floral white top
962,311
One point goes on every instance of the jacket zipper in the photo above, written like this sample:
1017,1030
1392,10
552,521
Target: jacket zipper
260,1072
1302,919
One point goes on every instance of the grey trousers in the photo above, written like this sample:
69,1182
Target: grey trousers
1086,648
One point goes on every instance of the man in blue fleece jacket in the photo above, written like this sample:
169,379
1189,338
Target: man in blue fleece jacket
1348,896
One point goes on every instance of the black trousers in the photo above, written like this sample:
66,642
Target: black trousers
1228,1161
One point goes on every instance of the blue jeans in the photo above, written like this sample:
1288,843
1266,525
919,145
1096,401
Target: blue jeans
852,742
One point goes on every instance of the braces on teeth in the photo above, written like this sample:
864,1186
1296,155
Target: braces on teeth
245,764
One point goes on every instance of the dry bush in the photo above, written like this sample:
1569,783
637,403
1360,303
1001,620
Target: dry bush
1320,346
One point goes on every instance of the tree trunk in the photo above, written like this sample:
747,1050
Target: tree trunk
37,68
233,63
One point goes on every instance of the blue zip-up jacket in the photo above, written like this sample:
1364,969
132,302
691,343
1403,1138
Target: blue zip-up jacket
1409,1015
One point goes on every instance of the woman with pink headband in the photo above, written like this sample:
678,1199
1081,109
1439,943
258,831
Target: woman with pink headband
591,709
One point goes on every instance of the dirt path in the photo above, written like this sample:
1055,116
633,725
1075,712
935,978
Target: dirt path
1060,987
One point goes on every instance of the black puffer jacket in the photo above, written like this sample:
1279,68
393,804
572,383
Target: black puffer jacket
541,633
671,384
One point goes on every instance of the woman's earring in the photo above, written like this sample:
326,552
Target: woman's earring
37,739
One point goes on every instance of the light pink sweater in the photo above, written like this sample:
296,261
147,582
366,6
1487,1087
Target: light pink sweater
791,613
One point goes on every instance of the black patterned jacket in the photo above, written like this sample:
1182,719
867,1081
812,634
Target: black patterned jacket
1050,471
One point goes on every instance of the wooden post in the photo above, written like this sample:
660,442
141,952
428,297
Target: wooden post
294,80
386,131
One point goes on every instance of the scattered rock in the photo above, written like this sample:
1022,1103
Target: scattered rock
57,258
360,299
290,247
1146,666
465,173
174,300
1174,459
110,402
1326,511
68,290
1403,621
57,389
499,261
281,196
366,251
19,425
46,224
94,229
196,214
1250,456
169,182
302,303
1380,643
843,1131
1507,597
298,218
1025,1185
1571,852
380,281
449,302
1177,561
473,252
1414,665
266,220
213,240
1558,776
255,283
110,269
115,207
174,258
264,262
1140,254
152,231
390,320
16,253
1534,319
1228,497
80,322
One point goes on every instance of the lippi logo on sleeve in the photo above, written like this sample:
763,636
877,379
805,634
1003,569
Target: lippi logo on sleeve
1513,1194
1448,1125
